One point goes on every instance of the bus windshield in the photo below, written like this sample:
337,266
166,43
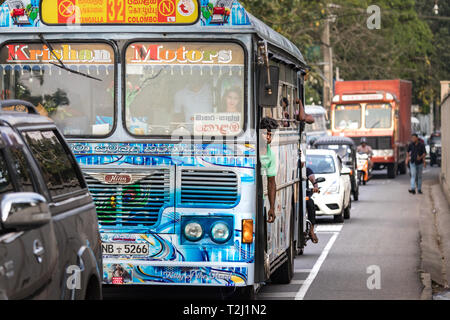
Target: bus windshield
191,88
378,116
347,117
320,124
80,106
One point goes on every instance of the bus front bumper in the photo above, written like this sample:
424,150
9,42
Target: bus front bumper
135,272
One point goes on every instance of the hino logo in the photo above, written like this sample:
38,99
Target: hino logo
117,178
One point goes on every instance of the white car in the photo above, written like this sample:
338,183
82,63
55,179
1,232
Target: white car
334,198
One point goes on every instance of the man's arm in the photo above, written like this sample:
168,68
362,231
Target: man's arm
312,178
272,193
303,116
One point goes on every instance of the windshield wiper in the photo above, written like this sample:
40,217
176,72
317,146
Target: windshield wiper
61,64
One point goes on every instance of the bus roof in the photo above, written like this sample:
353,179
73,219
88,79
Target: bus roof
238,21
312,109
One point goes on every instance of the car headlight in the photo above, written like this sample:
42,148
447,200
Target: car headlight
193,231
220,232
433,149
334,188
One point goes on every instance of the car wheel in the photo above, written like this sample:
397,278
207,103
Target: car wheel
340,217
356,195
347,210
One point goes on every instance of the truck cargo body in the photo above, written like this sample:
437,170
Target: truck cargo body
379,110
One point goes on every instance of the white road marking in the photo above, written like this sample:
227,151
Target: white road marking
297,281
329,228
302,270
277,294
315,270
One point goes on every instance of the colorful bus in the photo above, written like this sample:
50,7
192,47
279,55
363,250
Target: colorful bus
161,102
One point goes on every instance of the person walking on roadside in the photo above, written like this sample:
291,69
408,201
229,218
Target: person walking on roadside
416,158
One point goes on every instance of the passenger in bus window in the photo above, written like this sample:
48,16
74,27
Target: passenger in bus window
232,100
195,97
269,164
285,105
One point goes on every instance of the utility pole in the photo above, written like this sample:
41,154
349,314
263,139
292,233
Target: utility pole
328,66
327,52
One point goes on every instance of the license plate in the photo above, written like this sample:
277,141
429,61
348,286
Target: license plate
129,249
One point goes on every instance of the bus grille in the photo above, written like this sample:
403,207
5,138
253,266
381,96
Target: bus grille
209,188
133,205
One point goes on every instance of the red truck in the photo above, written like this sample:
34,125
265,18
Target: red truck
379,110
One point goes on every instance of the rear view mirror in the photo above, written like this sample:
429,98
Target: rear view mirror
24,210
320,180
345,171
268,86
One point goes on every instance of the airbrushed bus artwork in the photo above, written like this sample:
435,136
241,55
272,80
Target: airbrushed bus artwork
163,116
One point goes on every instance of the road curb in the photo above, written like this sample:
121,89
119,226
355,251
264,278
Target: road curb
434,220
427,292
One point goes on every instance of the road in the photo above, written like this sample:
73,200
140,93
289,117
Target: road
374,255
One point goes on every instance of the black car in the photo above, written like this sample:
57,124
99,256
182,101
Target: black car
435,149
49,240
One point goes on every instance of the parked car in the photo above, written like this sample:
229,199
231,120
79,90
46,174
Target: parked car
435,149
334,198
50,245
346,149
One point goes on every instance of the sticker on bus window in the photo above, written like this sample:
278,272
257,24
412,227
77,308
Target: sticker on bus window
119,12
217,124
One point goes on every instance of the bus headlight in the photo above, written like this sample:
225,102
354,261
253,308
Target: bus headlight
193,231
220,232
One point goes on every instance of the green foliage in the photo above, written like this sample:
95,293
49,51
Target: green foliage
410,45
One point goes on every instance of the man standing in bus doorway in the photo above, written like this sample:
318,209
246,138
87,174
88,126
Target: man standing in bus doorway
269,164
415,158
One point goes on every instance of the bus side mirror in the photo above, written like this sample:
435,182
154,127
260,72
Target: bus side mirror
268,86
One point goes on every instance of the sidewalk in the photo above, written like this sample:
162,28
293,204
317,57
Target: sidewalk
434,217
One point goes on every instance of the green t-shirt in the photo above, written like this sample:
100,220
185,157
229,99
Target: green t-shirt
269,163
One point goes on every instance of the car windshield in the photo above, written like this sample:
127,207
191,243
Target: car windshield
378,116
347,117
320,164
184,88
80,106
342,150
